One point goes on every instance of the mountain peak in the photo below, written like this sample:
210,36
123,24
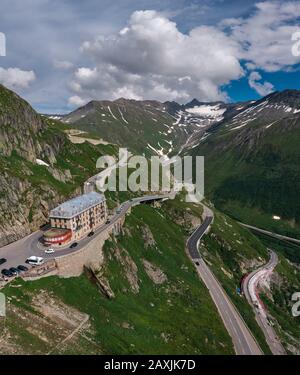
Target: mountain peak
197,103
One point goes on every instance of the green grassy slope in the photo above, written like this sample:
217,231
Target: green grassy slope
253,173
129,123
175,316
164,310
233,251
286,282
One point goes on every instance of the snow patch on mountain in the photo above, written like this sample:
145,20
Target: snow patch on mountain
41,162
111,113
213,112
123,118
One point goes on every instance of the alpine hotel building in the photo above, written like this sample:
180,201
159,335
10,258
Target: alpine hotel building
76,218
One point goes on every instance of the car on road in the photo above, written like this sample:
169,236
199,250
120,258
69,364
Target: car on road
73,245
91,234
35,261
22,268
49,251
14,271
2,261
7,273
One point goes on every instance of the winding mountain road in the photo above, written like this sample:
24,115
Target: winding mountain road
249,286
243,341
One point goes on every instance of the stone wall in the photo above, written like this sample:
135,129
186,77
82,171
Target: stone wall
72,265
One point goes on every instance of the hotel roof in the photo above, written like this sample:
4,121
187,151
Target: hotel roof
75,206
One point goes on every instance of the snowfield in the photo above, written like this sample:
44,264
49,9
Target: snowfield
208,111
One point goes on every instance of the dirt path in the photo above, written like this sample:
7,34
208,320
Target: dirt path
71,335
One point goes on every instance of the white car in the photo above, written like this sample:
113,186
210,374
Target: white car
49,251
35,261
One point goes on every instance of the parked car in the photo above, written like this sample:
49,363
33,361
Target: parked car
22,268
49,251
73,245
35,261
197,263
7,273
14,271
3,260
91,234
107,221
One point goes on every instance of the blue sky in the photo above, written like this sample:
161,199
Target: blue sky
62,53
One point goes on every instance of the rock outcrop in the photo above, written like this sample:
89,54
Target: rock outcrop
26,194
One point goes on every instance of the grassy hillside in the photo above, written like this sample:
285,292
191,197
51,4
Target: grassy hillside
286,282
232,252
141,126
159,304
257,175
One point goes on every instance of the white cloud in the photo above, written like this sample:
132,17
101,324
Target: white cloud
15,78
265,36
151,58
77,101
262,89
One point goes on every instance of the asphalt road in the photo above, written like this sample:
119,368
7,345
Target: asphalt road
243,341
272,234
17,252
261,317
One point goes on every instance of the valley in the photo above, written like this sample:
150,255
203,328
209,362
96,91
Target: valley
251,156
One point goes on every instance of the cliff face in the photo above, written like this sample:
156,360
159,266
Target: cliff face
20,126
28,190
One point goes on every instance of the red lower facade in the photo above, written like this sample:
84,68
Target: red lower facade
56,237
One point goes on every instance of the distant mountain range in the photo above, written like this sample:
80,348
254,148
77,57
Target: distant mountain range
166,128
251,148
148,127
253,161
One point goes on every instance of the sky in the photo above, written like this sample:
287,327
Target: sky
60,54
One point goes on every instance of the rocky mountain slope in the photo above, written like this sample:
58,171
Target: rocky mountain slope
39,166
148,127
252,162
